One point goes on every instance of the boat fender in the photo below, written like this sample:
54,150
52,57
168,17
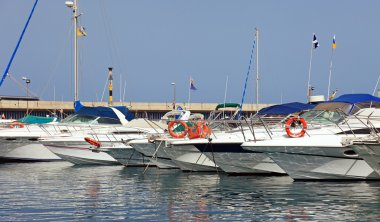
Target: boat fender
16,125
202,130
295,123
92,142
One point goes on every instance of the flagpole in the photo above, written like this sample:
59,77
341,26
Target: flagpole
308,82
225,95
188,101
331,64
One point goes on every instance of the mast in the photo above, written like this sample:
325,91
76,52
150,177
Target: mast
75,12
74,6
331,64
308,81
257,68
314,45
18,44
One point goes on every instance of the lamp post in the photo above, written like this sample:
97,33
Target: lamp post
27,81
173,84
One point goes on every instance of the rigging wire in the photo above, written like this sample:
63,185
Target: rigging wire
114,52
246,78
54,68
20,85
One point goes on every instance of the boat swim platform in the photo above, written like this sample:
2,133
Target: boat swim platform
17,108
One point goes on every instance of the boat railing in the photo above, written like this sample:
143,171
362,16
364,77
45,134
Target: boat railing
70,129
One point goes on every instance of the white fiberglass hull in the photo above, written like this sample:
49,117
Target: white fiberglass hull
79,153
233,159
370,152
155,153
323,159
24,148
11,143
224,148
31,152
324,168
189,158
126,155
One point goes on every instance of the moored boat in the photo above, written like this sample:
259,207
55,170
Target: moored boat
319,153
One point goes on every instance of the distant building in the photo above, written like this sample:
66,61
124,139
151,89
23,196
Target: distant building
23,98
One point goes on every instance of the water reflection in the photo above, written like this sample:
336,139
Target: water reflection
59,191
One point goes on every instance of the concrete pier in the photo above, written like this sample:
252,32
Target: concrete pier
17,108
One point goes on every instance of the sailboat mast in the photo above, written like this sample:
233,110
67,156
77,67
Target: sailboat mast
75,12
257,68
18,44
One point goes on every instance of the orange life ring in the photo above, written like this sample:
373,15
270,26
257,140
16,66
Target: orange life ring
200,131
92,142
16,125
293,123
173,125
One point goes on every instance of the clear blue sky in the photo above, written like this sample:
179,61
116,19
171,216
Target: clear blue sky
151,43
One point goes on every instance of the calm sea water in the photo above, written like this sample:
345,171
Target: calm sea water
62,192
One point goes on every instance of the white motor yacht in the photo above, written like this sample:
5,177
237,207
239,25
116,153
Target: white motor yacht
153,146
113,142
224,147
21,143
87,147
319,154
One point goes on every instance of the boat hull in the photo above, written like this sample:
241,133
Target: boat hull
155,152
320,163
127,156
20,149
370,153
189,158
79,153
233,159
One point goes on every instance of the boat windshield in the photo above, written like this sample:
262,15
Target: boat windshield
324,117
76,118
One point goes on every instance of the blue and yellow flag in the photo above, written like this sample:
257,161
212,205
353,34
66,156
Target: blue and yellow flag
81,31
334,43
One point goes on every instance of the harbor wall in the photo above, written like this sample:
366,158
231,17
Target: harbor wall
13,109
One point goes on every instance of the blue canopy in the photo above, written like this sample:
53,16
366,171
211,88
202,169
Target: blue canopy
102,111
285,109
356,98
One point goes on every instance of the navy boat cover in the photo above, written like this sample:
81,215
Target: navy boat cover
102,111
285,109
356,98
